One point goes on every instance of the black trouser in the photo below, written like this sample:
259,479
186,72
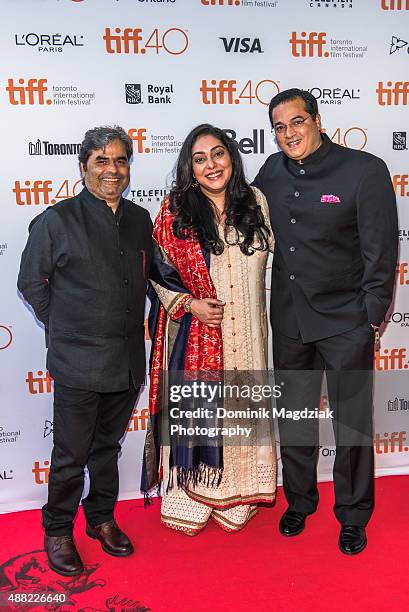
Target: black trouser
348,361
87,429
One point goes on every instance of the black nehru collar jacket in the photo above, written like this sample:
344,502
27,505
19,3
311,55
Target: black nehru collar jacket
335,224
84,272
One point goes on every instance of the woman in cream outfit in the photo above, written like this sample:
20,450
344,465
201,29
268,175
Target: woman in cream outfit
211,163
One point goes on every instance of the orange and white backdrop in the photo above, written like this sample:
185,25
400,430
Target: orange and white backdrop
158,68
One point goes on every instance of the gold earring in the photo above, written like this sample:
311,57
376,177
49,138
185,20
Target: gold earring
194,183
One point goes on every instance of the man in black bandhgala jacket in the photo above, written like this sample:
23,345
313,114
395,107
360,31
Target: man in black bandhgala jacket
84,272
333,214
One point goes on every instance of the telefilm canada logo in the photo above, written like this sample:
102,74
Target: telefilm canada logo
45,147
148,195
152,93
399,141
48,43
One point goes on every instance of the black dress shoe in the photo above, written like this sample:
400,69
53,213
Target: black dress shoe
62,555
352,539
292,523
113,541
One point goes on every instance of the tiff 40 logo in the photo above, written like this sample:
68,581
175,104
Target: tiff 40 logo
43,192
173,41
231,92
353,138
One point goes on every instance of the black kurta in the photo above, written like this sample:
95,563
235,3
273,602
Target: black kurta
84,272
334,262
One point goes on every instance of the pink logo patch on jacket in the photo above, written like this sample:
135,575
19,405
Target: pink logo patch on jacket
330,199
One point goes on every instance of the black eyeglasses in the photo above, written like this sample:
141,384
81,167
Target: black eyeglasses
295,125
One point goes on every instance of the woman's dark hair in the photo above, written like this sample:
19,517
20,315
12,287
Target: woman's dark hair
195,213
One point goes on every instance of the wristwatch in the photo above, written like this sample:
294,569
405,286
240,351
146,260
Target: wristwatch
187,305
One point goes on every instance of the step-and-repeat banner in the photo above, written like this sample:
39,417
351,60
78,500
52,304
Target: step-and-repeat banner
158,68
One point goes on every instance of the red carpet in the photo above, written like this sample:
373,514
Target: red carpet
256,569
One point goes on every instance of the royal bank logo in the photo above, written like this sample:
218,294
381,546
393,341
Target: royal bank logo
133,93
399,141
241,45
152,93
335,95
49,43
45,147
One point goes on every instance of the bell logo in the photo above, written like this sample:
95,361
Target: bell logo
400,182
138,136
221,2
395,5
32,93
308,46
138,422
40,383
393,94
390,443
173,41
391,359
41,473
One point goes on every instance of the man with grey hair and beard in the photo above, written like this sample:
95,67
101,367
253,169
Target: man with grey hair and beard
84,272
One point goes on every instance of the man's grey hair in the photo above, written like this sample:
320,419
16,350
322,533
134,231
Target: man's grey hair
100,137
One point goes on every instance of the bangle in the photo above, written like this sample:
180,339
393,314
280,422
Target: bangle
187,305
